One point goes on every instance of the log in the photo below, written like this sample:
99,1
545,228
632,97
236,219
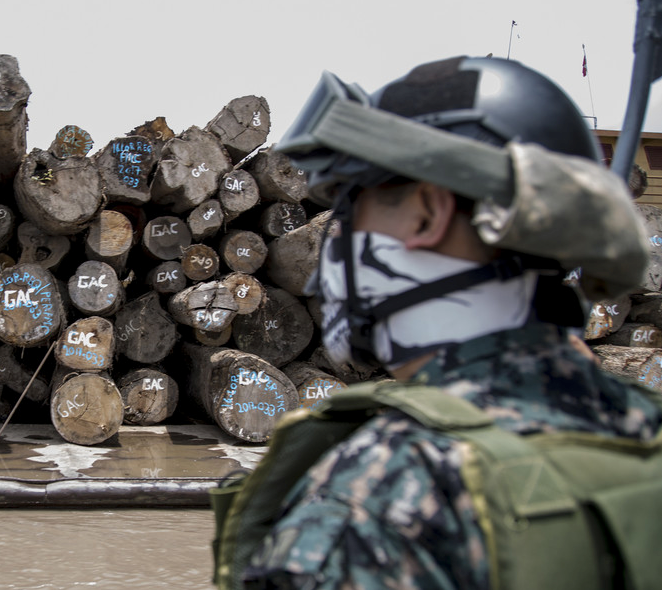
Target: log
247,291
646,308
636,335
71,141
652,218
167,277
606,317
189,170
61,197
200,262
149,396
205,220
87,409
243,393
146,333
14,94
281,218
242,250
30,305
157,131
213,339
94,289
242,125
313,385
277,178
125,165
278,331
238,193
347,372
166,237
643,365
206,306
6,225
16,377
109,239
41,248
294,256
87,345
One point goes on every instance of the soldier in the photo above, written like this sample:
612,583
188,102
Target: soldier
466,190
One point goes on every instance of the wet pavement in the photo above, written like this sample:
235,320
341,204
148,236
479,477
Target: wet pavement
70,549
140,466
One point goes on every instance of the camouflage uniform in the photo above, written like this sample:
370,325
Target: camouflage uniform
387,508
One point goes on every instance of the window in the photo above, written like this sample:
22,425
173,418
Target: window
607,153
654,156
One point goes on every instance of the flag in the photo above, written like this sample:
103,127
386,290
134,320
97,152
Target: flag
584,67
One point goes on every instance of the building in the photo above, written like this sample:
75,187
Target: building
648,157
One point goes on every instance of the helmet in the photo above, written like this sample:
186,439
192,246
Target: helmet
491,100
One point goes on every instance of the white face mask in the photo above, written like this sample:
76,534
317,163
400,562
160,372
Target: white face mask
385,267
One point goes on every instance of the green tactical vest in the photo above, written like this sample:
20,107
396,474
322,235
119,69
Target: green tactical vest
562,510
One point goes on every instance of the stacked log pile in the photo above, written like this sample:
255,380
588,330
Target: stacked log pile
626,334
165,271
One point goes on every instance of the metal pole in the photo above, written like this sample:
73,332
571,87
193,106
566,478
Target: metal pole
647,39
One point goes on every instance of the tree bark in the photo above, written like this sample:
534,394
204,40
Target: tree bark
166,237
87,409
636,335
277,178
146,333
87,345
110,239
247,291
278,331
643,365
16,376
238,193
242,125
607,317
189,170
206,306
41,248
157,131
313,385
294,256
61,197
14,94
242,251
125,165
243,393
94,289
205,220
71,141
652,217
30,306
167,277
282,218
200,262
149,396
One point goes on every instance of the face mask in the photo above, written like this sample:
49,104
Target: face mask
384,267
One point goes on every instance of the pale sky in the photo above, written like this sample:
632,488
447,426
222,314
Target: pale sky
110,65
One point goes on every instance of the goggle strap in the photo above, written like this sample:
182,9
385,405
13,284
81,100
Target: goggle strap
420,151
502,269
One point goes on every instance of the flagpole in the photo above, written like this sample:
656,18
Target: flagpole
590,92
510,41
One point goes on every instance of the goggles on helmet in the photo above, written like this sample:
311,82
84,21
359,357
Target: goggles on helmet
338,132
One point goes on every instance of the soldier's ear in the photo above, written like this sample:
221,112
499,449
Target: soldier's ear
434,208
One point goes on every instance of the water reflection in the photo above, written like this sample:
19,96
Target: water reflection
139,549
